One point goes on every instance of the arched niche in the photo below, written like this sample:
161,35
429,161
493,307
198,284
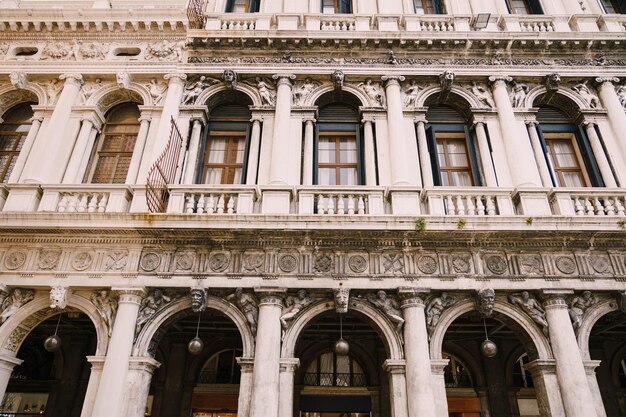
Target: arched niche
563,99
326,93
219,94
111,95
459,99
590,318
11,97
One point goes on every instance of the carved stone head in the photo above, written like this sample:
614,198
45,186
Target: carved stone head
230,78
58,297
485,301
18,79
198,299
337,79
552,82
342,297
446,79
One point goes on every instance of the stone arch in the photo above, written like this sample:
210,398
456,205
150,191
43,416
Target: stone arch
390,337
564,99
510,362
591,316
326,88
11,97
459,98
472,363
248,90
516,315
14,331
111,95
151,328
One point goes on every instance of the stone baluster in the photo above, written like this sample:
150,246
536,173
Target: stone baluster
282,121
397,141
265,390
570,371
253,155
111,390
600,156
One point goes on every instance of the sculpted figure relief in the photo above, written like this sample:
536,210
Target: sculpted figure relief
198,299
88,89
149,306
342,299
482,95
249,306
18,79
389,306
518,94
531,307
373,91
157,90
230,78
434,309
58,297
265,88
302,91
485,301
293,306
106,306
194,88
13,301
410,94
591,99
577,307
621,94
52,90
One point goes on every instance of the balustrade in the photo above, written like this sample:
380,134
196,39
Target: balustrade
340,201
606,202
207,199
476,201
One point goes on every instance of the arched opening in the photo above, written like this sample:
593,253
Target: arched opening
13,131
477,385
113,148
53,384
329,384
203,385
225,148
607,344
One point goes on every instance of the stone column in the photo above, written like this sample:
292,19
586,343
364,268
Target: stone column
518,151
48,157
421,402
590,368
422,144
140,145
245,386
547,391
7,363
189,175
540,158
97,362
615,109
437,367
395,124
368,152
109,399
138,382
307,163
282,121
72,172
397,386
570,372
253,155
485,155
265,389
598,153
18,168
287,368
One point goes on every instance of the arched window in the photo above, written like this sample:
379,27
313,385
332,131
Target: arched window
221,368
114,147
456,374
451,147
336,6
13,132
243,6
613,6
332,370
524,6
429,7
225,149
338,159
521,377
567,150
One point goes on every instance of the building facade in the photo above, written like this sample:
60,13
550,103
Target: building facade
315,208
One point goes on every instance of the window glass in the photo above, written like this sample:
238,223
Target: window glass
428,7
565,159
224,160
13,132
336,6
454,165
337,159
613,6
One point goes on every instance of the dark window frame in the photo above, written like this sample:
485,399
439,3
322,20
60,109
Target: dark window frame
429,6
431,134
251,6
531,6
340,7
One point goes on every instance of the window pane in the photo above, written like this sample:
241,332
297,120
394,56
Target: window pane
519,7
328,6
461,179
327,176
326,151
348,151
349,176
573,179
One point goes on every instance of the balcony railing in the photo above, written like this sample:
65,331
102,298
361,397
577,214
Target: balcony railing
203,199
589,202
468,201
330,379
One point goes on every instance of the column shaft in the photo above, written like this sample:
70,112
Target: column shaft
97,362
485,156
253,155
540,158
395,124
245,386
369,153
18,168
189,175
307,163
287,368
140,145
422,144
109,399
615,109
82,142
598,153
282,121
547,388
397,387
139,377
570,372
7,363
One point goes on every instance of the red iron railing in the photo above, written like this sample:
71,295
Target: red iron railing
163,172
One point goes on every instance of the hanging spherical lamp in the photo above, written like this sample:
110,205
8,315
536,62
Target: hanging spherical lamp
196,344
488,348
53,343
342,347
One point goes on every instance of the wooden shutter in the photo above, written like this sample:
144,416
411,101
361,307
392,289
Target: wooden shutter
472,156
432,150
588,158
345,6
254,6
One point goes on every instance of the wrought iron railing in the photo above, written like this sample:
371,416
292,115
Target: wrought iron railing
323,379
195,14
163,172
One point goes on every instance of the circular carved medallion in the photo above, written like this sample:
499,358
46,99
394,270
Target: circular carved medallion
323,263
218,262
600,264
427,264
496,264
288,262
184,261
357,263
14,259
565,264
461,263
82,260
150,261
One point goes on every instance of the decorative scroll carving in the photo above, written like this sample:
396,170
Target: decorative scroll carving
532,308
303,89
48,258
249,306
373,91
435,307
149,306
531,264
323,262
13,300
193,89
93,50
393,263
293,307
60,50
485,301
106,306
150,261
14,259
577,307
199,298
165,50
116,260
388,305
58,297
342,299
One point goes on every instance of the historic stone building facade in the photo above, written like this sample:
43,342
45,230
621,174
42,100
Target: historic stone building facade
316,208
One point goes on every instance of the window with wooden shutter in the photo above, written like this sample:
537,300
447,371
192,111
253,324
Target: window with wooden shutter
13,132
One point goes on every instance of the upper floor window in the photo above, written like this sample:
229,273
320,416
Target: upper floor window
332,370
114,147
226,145
243,6
524,6
428,7
568,154
13,132
451,147
336,6
613,6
